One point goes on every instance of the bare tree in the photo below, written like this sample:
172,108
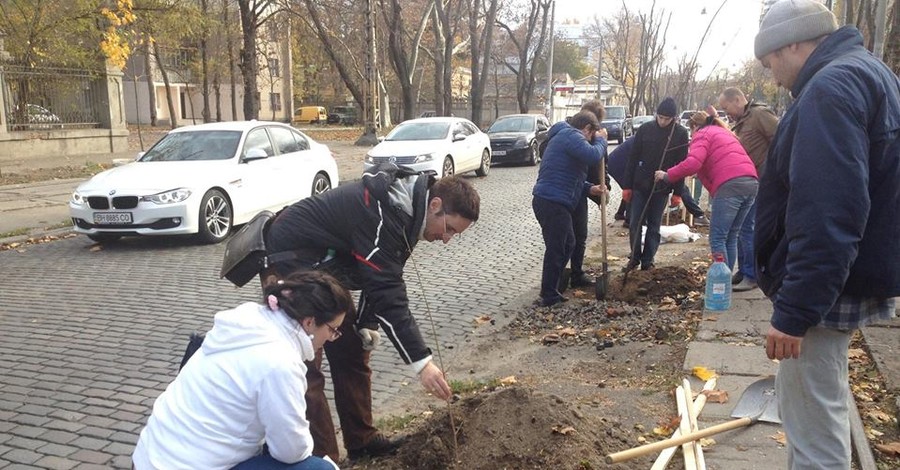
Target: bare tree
403,46
526,33
447,30
254,13
482,17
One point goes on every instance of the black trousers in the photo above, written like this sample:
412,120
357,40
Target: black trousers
580,228
559,242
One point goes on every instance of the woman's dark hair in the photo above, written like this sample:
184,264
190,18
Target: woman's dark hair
458,197
313,294
584,119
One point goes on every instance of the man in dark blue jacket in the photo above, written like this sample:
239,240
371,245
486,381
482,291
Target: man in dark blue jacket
561,184
827,235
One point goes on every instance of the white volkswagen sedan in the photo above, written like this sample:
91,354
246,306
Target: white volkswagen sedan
442,146
204,180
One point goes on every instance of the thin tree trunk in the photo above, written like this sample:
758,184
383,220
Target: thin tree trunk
204,60
173,118
151,85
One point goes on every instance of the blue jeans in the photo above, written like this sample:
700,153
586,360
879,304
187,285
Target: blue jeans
652,217
267,462
728,213
559,242
746,261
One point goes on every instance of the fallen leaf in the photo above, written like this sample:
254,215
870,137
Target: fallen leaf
703,373
550,338
641,439
511,380
613,258
482,319
96,248
662,431
879,415
716,396
711,318
856,353
704,442
567,331
891,448
779,437
564,430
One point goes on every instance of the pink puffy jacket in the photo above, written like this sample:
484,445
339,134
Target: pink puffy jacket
715,156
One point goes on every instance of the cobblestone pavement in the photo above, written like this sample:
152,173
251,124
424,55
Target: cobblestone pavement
90,337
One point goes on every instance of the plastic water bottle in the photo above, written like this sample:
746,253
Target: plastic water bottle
718,285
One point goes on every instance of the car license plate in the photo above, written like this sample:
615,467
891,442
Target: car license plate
112,218
499,153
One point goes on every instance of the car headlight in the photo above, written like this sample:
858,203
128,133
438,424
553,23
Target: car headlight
425,157
369,159
78,199
168,197
522,141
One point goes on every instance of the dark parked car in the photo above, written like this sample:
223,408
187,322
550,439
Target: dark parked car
517,137
617,123
343,115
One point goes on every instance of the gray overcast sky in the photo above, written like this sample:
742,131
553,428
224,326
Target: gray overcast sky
730,40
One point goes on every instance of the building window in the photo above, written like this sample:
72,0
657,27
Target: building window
276,101
274,70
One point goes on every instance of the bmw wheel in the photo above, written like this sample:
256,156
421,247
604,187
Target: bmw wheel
215,217
485,167
320,184
447,169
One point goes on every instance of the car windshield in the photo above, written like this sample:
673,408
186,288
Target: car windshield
616,112
513,124
193,146
420,131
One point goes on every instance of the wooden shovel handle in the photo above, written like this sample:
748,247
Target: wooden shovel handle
674,441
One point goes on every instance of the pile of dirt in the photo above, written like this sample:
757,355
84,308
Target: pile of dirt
510,427
662,304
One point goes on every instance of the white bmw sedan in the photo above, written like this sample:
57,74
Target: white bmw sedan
442,146
204,180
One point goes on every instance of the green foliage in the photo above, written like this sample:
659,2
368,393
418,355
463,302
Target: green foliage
469,386
63,33
394,423
569,57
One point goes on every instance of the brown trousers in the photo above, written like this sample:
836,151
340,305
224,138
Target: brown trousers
348,363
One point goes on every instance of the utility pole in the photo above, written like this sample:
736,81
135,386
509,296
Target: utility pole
370,110
550,62
600,70
880,26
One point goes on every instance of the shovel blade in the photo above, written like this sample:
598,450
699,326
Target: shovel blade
758,402
601,286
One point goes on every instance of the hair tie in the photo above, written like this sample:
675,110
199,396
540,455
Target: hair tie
273,302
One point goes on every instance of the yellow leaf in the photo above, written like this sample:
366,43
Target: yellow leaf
567,331
704,442
703,373
856,353
564,430
511,380
482,319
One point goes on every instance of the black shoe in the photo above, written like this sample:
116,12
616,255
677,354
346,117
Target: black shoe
631,266
378,446
581,280
647,267
619,216
737,278
701,221
553,301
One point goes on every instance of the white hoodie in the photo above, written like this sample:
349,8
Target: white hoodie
244,386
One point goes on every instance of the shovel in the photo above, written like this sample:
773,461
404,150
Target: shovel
757,403
601,285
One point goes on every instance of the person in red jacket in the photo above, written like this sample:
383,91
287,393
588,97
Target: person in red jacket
717,157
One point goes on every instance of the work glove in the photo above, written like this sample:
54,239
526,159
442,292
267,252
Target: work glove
626,195
370,338
675,201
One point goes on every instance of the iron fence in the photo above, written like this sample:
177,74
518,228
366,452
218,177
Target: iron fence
51,98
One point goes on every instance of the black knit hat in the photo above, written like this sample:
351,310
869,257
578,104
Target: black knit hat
667,108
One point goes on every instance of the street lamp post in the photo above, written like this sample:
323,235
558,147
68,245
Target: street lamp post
550,62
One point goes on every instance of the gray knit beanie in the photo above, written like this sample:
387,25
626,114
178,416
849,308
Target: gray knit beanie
792,21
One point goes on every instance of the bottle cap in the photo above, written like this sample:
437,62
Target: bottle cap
718,257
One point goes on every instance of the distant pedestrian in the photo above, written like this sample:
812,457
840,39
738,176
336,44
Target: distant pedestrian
561,185
827,235
658,145
245,385
718,159
754,125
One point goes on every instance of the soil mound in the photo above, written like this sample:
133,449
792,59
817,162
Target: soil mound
510,427
655,284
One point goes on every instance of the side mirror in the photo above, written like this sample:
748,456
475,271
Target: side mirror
627,116
381,138
255,154
458,137
139,156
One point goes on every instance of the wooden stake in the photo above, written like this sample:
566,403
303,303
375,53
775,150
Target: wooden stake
690,459
666,455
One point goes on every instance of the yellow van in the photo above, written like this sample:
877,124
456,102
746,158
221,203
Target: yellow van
311,114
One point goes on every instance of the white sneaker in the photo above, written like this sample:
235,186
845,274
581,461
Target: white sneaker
744,285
